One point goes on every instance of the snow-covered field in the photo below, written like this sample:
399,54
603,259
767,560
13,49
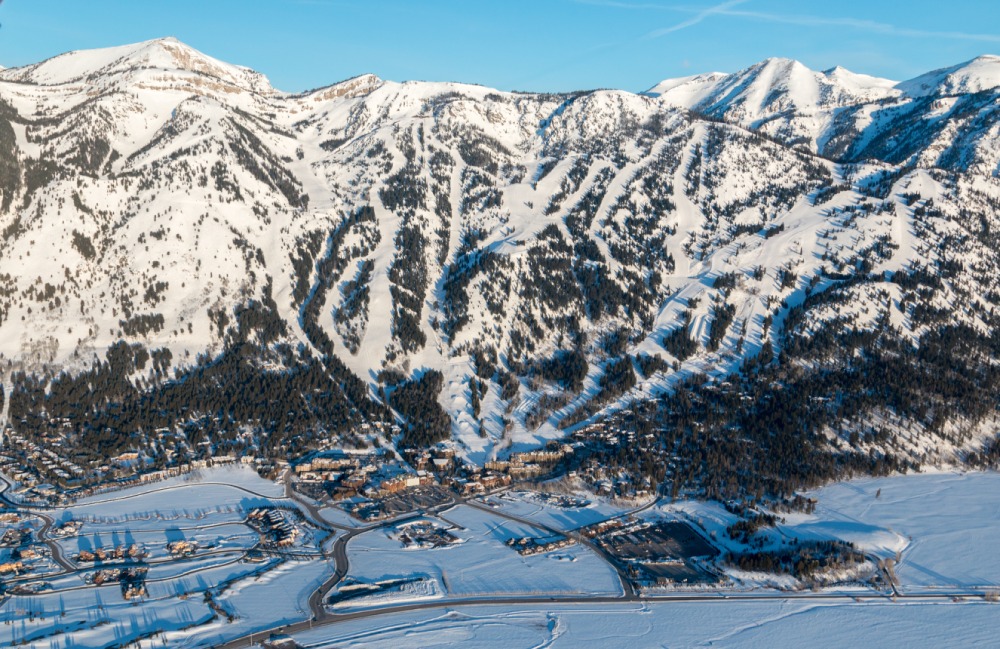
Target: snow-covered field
482,564
944,525
941,525
545,510
93,617
277,597
233,476
676,624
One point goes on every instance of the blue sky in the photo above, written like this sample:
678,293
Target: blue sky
553,45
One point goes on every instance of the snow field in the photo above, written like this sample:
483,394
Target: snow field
945,525
528,505
482,564
729,624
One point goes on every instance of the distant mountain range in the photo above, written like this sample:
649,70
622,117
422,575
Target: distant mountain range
184,248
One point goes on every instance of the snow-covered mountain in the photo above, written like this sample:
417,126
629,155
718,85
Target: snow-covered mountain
853,117
980,74
775,90
169,222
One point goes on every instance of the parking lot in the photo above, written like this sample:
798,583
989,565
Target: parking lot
658,542
418,499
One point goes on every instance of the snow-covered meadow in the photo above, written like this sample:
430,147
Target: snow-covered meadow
941,524
481,563
546,510
723,624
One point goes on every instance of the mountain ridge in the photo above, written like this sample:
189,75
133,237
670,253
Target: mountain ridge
434,262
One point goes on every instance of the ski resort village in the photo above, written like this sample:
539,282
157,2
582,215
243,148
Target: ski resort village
223,557
427,364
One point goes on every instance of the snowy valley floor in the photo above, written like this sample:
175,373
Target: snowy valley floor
781,623
940,526
944,527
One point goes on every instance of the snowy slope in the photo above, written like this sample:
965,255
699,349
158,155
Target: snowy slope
848,116
979,74
782,97
153,195
165,55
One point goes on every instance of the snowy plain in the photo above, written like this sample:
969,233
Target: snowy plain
941,527
941,524
481,563
729,624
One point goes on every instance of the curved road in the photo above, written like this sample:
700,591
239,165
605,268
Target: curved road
43,534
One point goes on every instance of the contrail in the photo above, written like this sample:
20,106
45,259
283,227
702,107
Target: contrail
864,25
697,18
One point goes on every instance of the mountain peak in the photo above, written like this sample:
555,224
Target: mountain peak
164,54
976,75
772,84
781,62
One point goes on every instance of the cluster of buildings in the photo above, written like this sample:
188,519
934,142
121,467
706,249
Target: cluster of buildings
377,475
182,548
119,553
347,475
519,466
67,529
400,483
531,464
132,580
597,442
440,459
39,463
30,464
480,482
597,529
12,567
338,474
15,537
21,561
528,546
425,534
274,526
